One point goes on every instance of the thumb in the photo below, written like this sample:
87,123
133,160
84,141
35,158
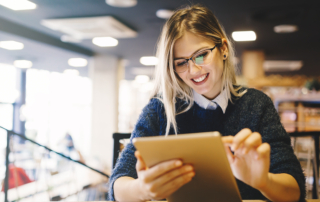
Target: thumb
227,142
229,154
140,163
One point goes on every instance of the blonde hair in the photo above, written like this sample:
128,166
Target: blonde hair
201,21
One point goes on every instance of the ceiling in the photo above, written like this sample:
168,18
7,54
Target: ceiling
45,47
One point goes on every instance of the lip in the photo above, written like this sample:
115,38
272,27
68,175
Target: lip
202,82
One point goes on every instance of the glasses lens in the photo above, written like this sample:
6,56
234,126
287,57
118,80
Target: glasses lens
202,58
180,65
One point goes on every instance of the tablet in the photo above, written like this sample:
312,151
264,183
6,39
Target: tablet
213,180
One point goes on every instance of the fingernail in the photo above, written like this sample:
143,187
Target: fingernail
191,174
178,163
188,168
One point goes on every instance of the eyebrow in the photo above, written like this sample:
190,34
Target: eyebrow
192,53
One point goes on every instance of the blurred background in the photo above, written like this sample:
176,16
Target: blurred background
74,72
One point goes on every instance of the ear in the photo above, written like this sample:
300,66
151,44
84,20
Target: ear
224,48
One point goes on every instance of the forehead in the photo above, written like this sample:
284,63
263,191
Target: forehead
189,43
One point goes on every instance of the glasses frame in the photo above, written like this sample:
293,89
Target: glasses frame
187,60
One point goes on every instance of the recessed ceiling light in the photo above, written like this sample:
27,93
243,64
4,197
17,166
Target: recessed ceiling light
164,13
11,45
18,4
105,41
23,64
282,65
244,36
122,3
69,39
285,28
89,27
73,72
77,62
142,79
149,60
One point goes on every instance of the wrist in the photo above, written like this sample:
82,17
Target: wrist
141,195
267,185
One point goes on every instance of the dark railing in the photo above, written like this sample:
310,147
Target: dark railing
10,133
315,135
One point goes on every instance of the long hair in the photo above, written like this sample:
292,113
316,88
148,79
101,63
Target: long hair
169,86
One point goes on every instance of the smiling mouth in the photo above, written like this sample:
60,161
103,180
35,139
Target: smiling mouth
201,79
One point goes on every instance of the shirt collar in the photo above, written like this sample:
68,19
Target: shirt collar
221,100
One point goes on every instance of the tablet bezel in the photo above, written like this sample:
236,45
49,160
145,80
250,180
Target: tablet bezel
203,151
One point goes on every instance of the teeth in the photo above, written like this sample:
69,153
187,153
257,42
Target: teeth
201,78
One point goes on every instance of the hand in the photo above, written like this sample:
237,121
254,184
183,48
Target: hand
163,179
251,159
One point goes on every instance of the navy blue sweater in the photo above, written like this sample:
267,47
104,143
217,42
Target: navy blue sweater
254,110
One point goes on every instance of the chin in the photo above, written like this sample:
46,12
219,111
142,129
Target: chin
201,91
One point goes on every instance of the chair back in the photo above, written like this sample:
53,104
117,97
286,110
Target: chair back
116,145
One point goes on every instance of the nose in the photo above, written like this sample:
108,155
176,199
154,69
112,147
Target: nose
193,67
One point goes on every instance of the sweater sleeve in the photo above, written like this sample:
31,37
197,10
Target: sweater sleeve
147,125
283,159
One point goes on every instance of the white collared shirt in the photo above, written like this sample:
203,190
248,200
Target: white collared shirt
221,100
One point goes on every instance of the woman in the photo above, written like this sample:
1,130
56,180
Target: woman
196,91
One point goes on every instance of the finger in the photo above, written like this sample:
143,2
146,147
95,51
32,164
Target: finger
240,138
176,183
157,187
161,168
172,174
140,165
263,151
252,142
229,154
228,140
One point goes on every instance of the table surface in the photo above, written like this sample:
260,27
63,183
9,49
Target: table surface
308,200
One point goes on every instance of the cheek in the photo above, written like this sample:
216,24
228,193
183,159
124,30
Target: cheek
218,68
183,77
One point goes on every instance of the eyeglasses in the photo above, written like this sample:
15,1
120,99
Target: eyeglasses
200,58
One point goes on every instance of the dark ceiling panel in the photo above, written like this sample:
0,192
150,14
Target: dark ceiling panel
20,30
260,16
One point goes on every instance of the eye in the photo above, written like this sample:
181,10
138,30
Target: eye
181,63
202,54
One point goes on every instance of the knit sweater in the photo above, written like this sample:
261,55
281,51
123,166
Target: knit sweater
254,110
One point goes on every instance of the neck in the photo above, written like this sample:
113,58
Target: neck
214,94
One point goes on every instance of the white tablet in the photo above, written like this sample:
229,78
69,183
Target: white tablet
213,180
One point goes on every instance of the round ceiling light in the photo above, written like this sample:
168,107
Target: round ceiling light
244,36
149,60
11,45
18,5
77,62
122,3
285,28
105,41
23,64
164,13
